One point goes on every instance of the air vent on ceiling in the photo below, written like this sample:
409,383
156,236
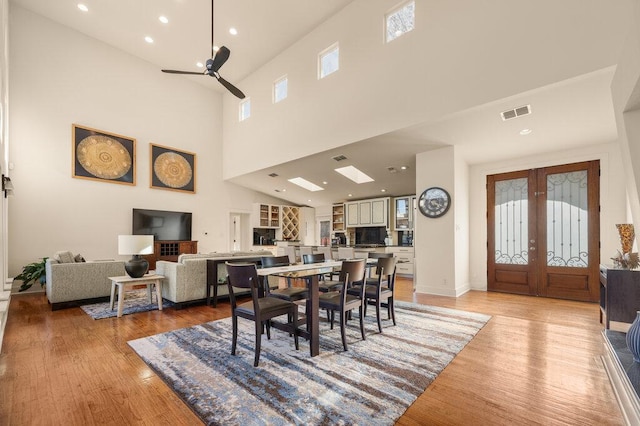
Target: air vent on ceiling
516,112
392,169
273,174
339,157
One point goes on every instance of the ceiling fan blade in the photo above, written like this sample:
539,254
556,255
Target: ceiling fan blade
220,58
182,72
230,87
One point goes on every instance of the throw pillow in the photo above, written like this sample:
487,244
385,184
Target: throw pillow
79,258
64,257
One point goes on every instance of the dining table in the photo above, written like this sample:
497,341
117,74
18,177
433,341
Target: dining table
310,273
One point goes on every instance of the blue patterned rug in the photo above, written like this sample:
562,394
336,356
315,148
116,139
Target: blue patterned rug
134,302
373,383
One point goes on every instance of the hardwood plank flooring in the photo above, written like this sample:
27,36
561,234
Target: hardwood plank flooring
537,362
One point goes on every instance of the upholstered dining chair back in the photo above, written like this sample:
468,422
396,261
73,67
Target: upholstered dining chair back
326,251
346,253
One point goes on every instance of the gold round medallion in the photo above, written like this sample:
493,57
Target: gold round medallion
103,157
173,170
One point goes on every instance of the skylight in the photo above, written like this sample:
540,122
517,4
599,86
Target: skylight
354,174
303,183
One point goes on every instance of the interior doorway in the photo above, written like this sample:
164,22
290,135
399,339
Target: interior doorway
239,234
543,229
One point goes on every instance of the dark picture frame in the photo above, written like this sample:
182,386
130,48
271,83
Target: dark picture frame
172,169
103,156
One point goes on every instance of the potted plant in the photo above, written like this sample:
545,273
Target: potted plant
31,273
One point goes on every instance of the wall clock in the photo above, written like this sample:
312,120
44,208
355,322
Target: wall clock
434,202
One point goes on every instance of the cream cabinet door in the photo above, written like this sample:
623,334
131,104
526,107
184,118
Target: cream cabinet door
379,212
364,213
352,214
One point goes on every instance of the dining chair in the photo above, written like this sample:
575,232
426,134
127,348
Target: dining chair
326,251
291,252
289,293
351,271
305,250
324,285
260,310
346,253
375,255
379,289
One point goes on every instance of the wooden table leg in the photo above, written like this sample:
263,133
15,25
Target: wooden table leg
158,285
113,295
120,298
313,314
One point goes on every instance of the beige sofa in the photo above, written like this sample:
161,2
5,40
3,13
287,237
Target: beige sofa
69,282
186,280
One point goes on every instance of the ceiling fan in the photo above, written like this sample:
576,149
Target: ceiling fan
213,65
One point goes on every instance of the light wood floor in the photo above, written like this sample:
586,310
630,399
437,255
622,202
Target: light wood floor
537,361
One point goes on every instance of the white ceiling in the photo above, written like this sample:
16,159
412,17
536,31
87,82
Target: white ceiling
568,114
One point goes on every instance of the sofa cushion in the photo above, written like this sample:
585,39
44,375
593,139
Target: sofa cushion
64,257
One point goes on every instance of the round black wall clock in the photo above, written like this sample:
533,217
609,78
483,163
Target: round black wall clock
434,202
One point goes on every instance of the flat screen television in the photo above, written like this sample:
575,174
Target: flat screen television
163,225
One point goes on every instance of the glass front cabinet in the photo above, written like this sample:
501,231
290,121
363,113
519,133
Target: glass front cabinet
404,212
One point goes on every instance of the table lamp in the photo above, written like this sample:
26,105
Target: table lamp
135,245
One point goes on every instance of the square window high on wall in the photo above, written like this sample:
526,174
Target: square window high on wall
280,89
400,21
328,61
245,109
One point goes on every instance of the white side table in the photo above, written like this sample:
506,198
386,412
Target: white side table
125,283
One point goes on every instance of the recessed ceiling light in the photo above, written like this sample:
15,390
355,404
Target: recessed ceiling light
83,7
403,168
163,19
233,31
354,174
284,190
324,182
383,190
524,132
309,200
199,64
216,48
303,183
148,39
350,195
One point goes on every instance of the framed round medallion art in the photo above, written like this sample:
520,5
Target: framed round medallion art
172,169
434,202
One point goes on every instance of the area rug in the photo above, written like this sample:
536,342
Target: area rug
373,383
134,302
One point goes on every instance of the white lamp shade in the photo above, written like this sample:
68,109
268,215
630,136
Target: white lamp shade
135,244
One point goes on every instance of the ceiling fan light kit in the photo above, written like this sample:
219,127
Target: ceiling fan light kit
213,65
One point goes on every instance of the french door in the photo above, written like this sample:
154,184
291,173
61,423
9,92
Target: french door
543,230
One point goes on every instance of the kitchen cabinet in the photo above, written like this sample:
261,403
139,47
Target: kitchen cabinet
290,223
405,256
373,212
337,218
405,208
266,216
352,214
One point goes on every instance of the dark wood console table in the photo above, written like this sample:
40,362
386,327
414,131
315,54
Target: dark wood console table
217,273
619,296
170,250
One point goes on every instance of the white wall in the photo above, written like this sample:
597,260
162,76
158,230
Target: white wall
60,77
435,240
612,199
448,63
